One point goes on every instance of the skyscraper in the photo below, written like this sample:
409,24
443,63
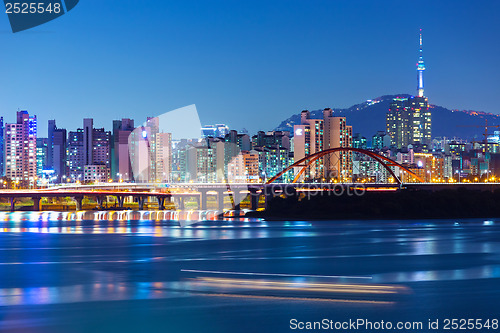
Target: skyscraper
315,135
409,120
337,134
75,155
41,155
150,152
50,139
88,131
88,146
56,149
120,159
59,152
20,150
308,139
420,69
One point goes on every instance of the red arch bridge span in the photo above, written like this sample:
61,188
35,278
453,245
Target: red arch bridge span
307,161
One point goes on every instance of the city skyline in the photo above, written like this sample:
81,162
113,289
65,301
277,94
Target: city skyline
180,64
317,149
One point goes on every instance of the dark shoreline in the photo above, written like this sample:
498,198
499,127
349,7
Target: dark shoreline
403,204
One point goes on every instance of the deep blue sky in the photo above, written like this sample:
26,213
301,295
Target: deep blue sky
246,63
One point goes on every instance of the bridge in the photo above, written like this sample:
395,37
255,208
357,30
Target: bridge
307,161
177,193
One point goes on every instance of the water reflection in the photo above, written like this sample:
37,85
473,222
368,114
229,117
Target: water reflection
91,293
129,215
142,223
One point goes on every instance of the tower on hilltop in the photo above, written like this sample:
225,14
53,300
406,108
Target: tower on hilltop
409,119
420,69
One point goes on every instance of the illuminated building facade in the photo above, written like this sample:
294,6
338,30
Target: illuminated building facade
272,161
58,152
20,150
150,152
121,169
381,140
315,135
75,155
337,134
97,173
214,131
244,168
308,139
205,163
428,167
41,156
2,155
163,157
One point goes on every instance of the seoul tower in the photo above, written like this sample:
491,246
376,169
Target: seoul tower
420,69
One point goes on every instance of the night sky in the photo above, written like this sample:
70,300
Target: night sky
246,63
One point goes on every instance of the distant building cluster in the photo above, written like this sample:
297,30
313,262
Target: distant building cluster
147,154
137,154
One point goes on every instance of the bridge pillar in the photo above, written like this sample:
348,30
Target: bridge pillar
120,200
36,204
161,202
99,201
78,202
254,199
202,203
180,203
12,202
269,193
220,200
238,197
141,203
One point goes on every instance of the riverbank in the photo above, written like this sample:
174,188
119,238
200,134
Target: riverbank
403,204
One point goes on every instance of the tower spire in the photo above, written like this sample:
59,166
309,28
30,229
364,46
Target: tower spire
420,69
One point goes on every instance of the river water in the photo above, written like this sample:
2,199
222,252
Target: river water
143,272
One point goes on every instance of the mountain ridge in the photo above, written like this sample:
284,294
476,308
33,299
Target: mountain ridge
369,117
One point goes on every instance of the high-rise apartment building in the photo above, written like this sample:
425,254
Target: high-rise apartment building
409,120
151,152
97,173
214,131
88,141
244,168
272,161
308,139
101,147
75,155
205,162
87,146
121,168
50,139
337,134
58,152
315,135
271,139
20,150
163,157
381,140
